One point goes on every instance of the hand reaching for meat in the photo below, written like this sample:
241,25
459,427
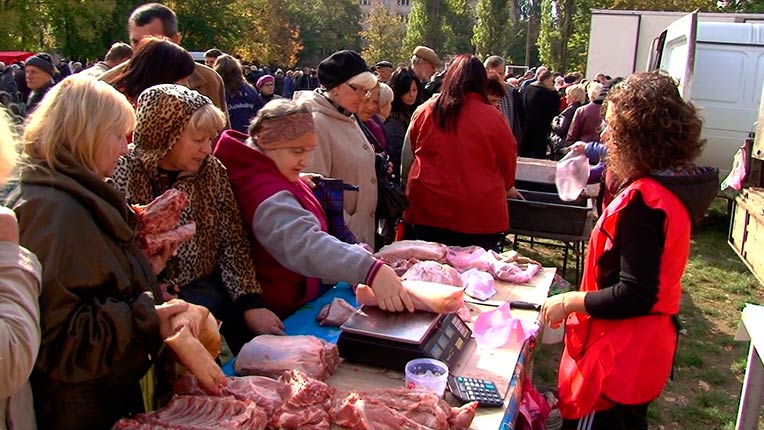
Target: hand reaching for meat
263,321
191,333
389,291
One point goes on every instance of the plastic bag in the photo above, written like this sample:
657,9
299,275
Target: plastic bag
478,284
494,328
736,177
571,176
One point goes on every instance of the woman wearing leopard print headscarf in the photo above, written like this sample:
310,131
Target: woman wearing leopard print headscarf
172,146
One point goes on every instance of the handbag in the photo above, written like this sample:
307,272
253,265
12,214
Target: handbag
391,200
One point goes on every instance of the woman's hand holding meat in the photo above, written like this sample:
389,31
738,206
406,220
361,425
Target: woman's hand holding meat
165,312
263,321
389,291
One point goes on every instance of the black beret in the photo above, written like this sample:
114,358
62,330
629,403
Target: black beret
340,67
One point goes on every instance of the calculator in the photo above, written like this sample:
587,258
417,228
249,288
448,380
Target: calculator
475,390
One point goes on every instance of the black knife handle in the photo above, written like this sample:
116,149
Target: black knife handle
519,304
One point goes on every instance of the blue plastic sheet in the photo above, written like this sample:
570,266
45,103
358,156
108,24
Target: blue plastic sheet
303,321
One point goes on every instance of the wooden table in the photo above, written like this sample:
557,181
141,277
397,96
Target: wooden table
752,329
505,366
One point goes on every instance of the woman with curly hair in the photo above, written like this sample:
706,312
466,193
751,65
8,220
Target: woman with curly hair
621,327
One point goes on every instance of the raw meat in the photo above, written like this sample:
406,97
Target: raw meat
199,413
307,407
158,222
432,271
195,342
419,249
427,296
163,213
270,355
399,408
268,394
402,266
475,257
152,243
335,313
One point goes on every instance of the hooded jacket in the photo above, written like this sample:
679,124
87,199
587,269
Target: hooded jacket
100,331
621,351
220,243
344,153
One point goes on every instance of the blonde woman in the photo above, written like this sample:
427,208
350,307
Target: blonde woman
385,101
100,327
19,311
172,147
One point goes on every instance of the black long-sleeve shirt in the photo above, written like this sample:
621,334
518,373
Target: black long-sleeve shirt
629,272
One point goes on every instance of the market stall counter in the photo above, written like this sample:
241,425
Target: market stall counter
507,366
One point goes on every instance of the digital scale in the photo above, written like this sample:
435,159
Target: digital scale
390,339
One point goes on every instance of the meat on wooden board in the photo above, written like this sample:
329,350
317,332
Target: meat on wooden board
399,408
270,355
199,413
432,271
406,249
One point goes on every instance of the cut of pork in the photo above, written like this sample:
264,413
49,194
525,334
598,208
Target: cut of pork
432,271
270,355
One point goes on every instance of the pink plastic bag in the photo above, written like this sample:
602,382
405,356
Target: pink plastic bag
534,409
494,328
736,177
571,175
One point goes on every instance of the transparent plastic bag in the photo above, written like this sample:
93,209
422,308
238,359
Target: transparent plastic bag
571,175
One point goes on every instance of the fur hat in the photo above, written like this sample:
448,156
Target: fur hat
343,66
43,62
427,54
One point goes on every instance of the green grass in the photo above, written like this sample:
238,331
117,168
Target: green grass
710,364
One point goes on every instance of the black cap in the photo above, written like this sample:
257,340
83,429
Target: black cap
42,61
340,67
384,63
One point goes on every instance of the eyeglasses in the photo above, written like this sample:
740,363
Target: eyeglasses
360,91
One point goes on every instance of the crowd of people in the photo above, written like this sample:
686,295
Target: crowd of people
87,310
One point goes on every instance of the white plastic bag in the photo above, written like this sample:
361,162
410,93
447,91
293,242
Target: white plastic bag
571,176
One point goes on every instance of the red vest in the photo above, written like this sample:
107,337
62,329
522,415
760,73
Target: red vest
625,361
254,178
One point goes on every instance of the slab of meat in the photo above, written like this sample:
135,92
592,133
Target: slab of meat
475,257
419,249
398,408
270,355
162,214
427,296
195,342
268,394
432,271
199,413
152,244
335,313
402,266
158,222
307,407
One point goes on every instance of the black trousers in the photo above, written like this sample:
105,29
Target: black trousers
619,417
211,293
454,238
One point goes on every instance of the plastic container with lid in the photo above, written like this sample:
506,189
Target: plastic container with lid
427,374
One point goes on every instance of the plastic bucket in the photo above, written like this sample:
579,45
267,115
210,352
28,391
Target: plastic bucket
427,374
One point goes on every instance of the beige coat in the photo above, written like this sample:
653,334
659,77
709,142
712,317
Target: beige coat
19,334
344,153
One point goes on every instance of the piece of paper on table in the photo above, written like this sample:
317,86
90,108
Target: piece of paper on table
478,284
493,329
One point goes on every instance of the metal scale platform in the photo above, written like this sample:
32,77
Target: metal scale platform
390,339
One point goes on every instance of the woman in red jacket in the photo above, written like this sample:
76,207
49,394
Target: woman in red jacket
464,160
621,328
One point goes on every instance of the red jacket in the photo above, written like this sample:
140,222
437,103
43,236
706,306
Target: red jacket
625,361
459,181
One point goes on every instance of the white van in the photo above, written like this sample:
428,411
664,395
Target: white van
720,68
